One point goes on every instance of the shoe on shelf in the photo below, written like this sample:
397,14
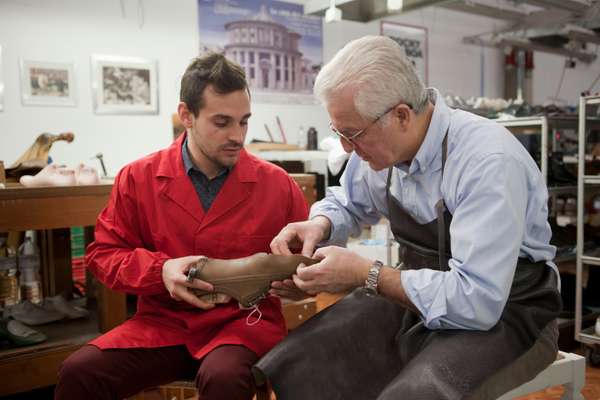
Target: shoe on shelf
20,334
246,279
86,175
61,305
51,175
33,314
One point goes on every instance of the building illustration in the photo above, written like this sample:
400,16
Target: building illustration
269,53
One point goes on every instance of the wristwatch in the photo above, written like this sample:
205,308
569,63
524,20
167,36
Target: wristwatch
371,284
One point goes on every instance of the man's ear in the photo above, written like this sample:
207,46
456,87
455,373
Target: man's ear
185,115
403,114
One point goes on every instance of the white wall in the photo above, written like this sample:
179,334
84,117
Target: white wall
547,72
72,30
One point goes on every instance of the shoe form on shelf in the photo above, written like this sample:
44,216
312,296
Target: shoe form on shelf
86,175
20,334
42,178
65,177
33,314
51,175
61,305
597,327
246,279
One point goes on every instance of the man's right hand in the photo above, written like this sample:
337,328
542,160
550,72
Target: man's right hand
306,234
174,276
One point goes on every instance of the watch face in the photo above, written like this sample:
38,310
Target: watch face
370,291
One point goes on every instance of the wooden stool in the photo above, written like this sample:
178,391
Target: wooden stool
568,370
186,390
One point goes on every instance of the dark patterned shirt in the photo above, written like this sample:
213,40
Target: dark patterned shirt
207,189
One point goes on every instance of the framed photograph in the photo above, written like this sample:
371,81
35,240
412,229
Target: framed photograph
124,85
1,84
274,42
414,41
47,83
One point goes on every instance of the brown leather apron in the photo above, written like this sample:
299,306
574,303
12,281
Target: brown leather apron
368,347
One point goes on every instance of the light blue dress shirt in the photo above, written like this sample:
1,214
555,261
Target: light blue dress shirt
498,200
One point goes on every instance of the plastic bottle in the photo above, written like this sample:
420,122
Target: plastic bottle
301,138
29,270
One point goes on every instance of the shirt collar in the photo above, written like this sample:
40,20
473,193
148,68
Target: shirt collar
430,150
189,165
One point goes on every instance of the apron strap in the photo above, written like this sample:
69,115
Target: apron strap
441,209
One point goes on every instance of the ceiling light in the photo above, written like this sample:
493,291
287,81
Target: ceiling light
395,5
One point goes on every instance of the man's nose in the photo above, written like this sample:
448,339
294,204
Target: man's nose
347,145
237,134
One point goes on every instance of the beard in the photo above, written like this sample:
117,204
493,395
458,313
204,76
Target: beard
225,156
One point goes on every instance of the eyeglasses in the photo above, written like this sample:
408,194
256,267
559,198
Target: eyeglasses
351,138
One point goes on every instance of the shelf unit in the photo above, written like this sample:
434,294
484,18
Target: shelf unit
314,160
52,211
545,126
587,335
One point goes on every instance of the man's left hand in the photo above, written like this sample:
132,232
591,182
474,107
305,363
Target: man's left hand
338,270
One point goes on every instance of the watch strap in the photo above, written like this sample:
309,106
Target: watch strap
372,282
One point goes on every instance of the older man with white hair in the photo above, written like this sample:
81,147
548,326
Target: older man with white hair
470,312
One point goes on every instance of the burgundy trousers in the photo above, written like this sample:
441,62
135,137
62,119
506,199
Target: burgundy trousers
91,373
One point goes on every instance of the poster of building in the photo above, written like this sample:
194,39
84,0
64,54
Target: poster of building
414,41
278,46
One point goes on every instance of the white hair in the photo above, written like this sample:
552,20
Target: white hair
377,68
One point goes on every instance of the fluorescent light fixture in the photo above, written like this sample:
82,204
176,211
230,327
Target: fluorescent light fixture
395,5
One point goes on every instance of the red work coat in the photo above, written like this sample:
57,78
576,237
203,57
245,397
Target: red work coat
154,214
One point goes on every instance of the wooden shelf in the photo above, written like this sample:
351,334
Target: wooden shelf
30,367
52,210
24,208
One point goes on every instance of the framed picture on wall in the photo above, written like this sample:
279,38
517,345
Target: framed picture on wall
47,83
124,85
414,41
1,84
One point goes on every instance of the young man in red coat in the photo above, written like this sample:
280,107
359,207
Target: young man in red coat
203,195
